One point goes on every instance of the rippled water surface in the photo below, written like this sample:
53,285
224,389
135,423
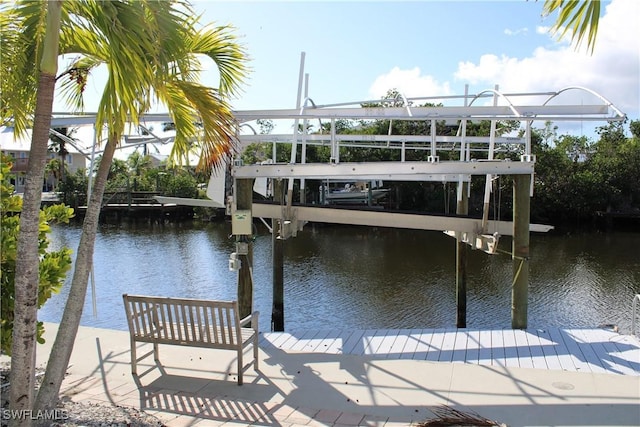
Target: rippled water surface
362,277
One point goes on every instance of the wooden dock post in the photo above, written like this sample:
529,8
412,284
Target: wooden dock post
521,218
277,310
244,200
462,208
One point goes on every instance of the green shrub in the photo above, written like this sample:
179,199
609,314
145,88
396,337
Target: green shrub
53,264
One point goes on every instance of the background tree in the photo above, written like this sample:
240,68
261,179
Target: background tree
138,165
58,145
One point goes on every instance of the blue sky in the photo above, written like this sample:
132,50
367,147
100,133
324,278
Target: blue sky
358,50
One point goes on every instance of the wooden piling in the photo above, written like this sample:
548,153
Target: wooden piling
277,310
462,208
244,201
521,219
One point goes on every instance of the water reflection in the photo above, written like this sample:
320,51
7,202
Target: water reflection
362,277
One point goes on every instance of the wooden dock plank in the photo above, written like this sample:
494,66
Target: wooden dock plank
564,355
572,349
424,347
336,346
278,339
610,355
303,341
548,347
522,349
627,349
413,338
314,343
484,347
398,345
537,355
510,348
498,357
472,354
591,358
385,342
352,345
448,347
435,345
581,350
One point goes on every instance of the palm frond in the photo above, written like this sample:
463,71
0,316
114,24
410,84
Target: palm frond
190,102
580,18
220,45
21,34
448,416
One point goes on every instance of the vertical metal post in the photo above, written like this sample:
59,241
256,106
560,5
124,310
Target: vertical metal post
521,218
462,208
489,178
303,155
244,199
277,243
296,122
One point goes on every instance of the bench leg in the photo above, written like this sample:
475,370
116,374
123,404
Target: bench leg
134,368
156,353
255,352
240,366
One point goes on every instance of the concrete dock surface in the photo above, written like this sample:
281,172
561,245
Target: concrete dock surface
193,386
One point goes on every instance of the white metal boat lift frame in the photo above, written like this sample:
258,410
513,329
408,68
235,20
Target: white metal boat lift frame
477,233
457,171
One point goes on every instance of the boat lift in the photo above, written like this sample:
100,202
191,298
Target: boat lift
289,218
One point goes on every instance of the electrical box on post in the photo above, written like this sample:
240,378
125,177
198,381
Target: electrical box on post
241,223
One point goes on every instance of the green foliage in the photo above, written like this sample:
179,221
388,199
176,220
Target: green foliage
258,152
74,188
53,264
576,177
182,185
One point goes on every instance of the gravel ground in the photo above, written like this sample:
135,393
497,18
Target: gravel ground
72,414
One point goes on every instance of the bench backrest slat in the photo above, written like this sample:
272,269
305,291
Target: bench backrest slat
184,320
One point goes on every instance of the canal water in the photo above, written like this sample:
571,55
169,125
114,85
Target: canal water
362,277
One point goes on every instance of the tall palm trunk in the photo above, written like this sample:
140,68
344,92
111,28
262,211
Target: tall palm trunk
27,275
63,344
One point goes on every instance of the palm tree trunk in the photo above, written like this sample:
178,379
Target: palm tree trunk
65,338
27,274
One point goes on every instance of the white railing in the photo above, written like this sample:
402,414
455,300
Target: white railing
636,299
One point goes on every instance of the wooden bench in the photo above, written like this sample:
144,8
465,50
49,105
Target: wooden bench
190,322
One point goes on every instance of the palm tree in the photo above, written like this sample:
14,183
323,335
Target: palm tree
20,63
579,17
165,68
59,145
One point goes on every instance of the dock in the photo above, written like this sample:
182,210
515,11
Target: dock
388,378
595,350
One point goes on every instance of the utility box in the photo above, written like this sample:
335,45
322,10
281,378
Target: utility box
241,223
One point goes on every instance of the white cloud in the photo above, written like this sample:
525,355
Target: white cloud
613,70
410,83
541,29
511,32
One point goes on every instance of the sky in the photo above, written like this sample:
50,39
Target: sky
359,50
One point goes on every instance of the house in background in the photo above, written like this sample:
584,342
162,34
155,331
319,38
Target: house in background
18,149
